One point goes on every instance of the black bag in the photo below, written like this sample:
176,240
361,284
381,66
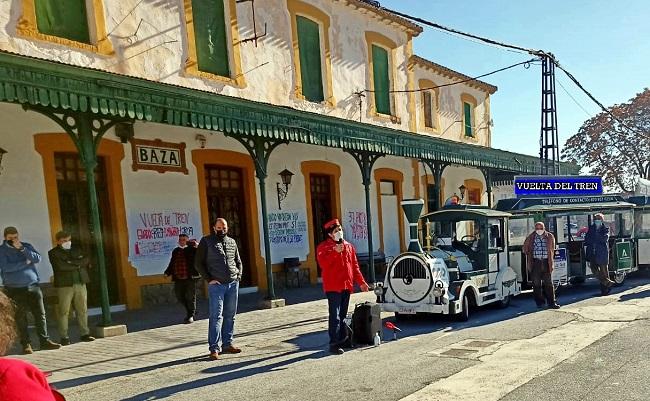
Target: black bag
366,322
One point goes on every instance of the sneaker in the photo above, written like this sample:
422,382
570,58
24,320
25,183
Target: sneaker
554,306
27,349
213,356
336,350
65,341
188,320
87,338
230,350
49,344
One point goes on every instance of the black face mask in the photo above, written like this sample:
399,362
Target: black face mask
220,233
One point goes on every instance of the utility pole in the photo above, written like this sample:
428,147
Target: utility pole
549,146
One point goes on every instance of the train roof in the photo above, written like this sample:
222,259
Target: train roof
465,212
536,205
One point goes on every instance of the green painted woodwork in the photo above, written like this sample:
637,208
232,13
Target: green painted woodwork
381,80
467,110
311,74
63,18
32,81
210,34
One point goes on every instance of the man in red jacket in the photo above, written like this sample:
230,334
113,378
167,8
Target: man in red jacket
340,271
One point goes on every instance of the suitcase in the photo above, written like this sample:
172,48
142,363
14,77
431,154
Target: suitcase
366,322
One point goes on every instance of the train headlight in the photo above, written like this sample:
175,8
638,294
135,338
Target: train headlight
379,289
438,289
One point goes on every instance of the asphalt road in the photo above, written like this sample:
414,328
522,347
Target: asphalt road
594,348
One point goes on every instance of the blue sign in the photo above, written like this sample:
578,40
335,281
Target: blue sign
569,185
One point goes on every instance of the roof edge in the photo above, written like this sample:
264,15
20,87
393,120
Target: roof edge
449,73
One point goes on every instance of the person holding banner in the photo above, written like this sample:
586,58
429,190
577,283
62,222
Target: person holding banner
597,252
539,248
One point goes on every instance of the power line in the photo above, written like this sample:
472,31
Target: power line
525,63
574,99
602,107
466,34
539,53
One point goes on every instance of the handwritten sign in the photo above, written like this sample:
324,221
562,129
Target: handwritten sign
158,155
288,228
154,234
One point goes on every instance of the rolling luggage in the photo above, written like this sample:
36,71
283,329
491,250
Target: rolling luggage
366,322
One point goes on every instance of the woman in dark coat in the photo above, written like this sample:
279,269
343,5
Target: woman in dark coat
597,252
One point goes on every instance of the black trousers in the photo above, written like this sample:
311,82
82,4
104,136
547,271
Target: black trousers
29,300
337,303
542,282
186,294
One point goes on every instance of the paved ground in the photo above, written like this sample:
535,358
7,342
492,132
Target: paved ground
591,349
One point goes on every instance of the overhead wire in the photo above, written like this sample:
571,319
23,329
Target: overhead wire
539,53
526,64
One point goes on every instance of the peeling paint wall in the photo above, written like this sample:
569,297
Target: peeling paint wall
150,40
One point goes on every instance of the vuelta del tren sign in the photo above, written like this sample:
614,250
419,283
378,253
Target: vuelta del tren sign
158,155
570,185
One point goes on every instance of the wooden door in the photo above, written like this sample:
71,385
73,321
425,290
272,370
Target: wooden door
322,203
74,206
225,195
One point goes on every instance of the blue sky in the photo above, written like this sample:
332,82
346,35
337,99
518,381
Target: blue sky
602,43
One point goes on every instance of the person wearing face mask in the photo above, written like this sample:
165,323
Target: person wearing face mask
539,248
218,262
183,273
20,277
70,268
597,252
340,271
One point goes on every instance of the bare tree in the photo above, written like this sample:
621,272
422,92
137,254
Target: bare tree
618,149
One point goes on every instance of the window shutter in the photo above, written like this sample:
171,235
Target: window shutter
310,59
428,109
63,18
468,119
381,79
211,39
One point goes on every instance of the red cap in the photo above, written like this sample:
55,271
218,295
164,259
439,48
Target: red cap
331,223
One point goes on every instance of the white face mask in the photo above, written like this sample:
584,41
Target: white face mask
66,245
338,236
539,232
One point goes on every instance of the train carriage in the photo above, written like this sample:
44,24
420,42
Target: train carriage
569,218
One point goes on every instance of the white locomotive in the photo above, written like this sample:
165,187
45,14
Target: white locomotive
464,263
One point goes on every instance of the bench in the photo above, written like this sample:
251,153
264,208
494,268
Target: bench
380,264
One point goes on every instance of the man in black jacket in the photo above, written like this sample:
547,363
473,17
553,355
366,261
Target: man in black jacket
181,269
70,278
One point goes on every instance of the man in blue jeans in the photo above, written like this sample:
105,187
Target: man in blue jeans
19,275
218,262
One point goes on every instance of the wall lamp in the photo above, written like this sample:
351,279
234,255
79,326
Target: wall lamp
285,175
2,153
201,139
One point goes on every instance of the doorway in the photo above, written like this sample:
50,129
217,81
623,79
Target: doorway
72,189
322,203
390,219
225,195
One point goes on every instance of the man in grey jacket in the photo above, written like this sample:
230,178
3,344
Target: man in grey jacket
218,262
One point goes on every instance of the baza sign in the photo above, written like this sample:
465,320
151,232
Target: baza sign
158,156
573,185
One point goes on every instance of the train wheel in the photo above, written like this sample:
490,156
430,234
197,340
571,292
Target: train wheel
463,316
505,302
618,278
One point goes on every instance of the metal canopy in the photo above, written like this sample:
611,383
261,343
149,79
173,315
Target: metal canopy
33,81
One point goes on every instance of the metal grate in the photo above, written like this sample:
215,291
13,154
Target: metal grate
410,267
